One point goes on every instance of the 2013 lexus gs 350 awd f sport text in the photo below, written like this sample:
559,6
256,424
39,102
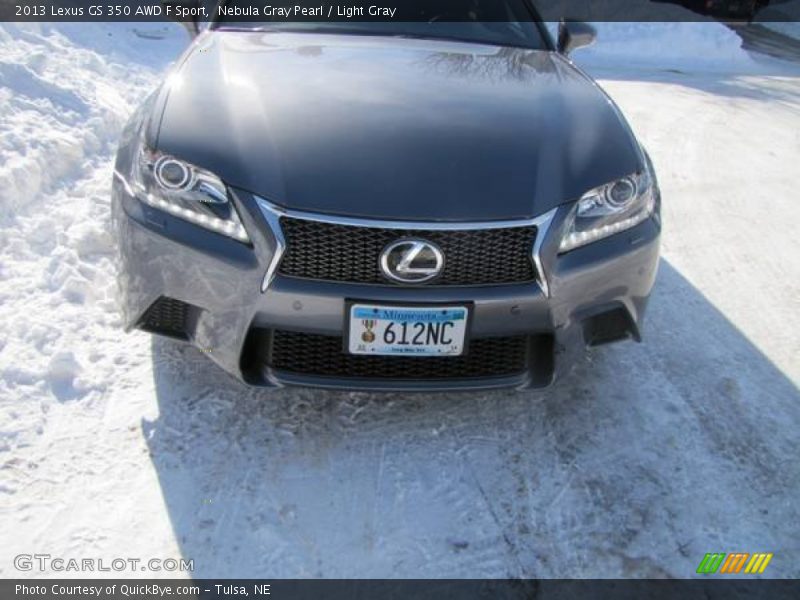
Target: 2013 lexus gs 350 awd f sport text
441,204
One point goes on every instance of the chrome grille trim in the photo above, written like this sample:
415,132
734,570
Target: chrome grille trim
273,213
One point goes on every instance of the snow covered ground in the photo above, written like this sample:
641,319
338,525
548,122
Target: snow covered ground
644,459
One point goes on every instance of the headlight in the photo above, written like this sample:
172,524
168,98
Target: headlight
609,209
186,191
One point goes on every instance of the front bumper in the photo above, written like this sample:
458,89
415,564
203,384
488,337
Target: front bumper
592,295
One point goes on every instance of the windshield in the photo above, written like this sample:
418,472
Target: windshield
498,22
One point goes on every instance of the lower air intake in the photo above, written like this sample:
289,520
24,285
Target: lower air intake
324,356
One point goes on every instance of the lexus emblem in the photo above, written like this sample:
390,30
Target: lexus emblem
412,261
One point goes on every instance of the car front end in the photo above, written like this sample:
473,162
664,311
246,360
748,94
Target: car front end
470,220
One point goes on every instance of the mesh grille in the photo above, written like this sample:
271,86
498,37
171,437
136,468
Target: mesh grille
324,356
335,252
166,316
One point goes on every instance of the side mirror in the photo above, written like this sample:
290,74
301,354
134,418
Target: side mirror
574,34
181,10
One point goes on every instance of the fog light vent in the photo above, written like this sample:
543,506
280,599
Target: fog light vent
167,316
608,327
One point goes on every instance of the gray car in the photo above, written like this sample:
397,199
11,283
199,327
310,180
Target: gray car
431,205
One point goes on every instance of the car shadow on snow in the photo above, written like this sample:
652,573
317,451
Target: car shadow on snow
641,460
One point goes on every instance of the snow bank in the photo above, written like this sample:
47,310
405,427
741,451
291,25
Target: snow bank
65,92
681,46
681,40
614,10
701,46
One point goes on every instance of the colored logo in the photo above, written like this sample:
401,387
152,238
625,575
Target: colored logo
733,563
368,336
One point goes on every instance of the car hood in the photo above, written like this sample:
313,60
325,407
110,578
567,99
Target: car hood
393,128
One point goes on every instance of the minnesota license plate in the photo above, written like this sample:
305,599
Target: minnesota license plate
404,330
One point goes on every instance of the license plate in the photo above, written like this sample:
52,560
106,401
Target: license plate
404,330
